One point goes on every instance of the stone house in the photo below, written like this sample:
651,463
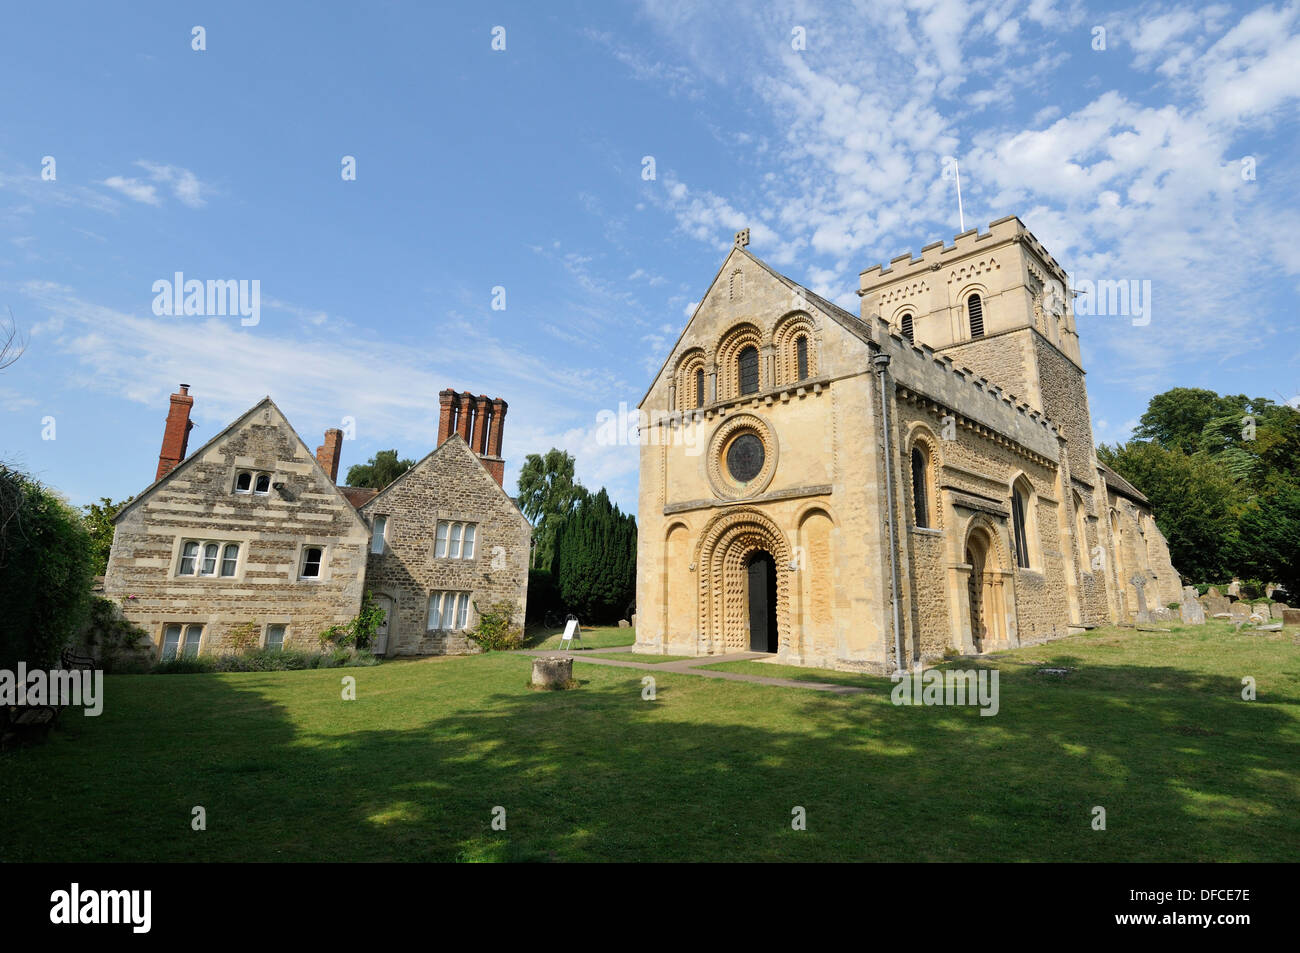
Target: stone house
250,533
447,540
855,491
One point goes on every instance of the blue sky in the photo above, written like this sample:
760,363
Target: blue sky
522,169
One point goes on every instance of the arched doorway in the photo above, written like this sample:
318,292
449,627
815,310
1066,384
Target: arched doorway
727,547
761,596
989,594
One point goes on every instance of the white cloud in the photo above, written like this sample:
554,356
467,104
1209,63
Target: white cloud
134,189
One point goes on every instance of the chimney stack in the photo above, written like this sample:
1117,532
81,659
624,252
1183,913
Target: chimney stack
478,420
176,435
328,453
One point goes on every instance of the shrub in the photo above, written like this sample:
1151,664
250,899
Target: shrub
496,630
244,638
263,660
192,665
45,572
117,640
359,630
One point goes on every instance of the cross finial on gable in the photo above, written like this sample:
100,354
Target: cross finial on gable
742,238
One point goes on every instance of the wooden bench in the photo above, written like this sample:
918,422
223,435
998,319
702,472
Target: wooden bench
20,724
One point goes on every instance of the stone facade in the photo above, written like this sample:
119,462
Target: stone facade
197,501
452,486
781,425
252,529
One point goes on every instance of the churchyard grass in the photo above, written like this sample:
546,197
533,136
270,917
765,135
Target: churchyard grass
1151,726
638,657
597,637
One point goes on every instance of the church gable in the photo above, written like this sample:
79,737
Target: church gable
785,333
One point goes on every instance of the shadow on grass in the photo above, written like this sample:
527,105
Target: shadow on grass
710,770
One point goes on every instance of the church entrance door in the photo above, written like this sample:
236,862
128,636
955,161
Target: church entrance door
762,602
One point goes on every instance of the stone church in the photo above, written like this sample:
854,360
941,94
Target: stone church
250,536
859,492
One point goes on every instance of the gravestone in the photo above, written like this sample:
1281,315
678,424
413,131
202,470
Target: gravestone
1239,611
1261,610
624,624
1214,604
1162,614
1213,592
1234,588
1143,614
1291,617
1191,611
1277,609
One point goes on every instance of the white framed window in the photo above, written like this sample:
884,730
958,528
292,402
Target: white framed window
312,557
448,610
173,644
244,482
380,534
455,539
275,637
262,485
201,557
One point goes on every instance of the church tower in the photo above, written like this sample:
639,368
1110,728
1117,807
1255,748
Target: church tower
998,303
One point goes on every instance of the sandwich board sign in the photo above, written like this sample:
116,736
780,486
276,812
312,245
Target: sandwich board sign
570,631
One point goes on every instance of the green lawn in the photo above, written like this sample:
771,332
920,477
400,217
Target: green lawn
1150,726
599,637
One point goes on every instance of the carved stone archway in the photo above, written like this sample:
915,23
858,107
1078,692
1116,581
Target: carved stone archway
721,558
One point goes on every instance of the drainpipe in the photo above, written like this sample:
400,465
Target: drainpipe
881,362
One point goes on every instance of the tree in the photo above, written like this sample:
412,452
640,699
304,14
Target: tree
99,522
1177,418
548,494
1194,500
382,469
12,343
1223,477
595,560
45,573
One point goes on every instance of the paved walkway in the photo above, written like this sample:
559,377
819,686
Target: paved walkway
691,666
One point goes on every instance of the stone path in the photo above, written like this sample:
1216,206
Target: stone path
692,667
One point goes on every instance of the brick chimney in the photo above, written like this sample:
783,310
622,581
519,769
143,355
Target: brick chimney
478,420
327,454
176,435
